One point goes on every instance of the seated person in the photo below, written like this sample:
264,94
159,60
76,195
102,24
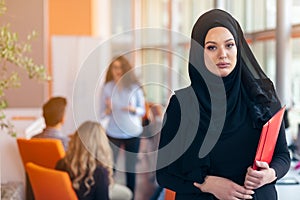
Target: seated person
89,161
54,116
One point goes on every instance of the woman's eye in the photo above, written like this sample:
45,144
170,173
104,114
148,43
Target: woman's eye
230,45
211,47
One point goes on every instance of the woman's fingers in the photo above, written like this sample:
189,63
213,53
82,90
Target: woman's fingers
261,164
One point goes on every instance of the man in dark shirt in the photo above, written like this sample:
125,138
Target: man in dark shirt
54,116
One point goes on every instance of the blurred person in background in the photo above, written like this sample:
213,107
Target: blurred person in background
122,103
88,161
54,116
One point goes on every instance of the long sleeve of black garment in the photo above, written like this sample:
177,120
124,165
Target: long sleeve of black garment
281,159
179,173
175,170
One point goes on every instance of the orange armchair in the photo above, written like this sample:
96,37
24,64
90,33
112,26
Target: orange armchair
50,184
42,151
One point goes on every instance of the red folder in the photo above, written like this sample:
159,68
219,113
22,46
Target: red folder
268,138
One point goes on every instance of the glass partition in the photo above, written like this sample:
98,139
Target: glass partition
296,12
295,68
121,15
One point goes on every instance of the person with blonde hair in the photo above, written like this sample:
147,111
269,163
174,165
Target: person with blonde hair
88,161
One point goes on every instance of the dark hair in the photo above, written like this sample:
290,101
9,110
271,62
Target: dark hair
128,77
54,110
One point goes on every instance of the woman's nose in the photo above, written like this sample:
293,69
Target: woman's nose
222,53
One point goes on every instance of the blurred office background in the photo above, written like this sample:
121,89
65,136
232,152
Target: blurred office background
154,35
78,38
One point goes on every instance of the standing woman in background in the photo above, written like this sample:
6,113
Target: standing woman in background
122,102
212,128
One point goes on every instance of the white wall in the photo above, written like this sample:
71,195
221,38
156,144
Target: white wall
76,71
10,161
79,64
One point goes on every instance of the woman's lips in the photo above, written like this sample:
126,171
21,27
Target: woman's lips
223,65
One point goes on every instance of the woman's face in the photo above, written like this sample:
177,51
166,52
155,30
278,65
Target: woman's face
117,70
220,51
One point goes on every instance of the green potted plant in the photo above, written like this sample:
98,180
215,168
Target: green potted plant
15,54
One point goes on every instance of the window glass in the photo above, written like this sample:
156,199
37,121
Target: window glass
155,75
294,114
265,51
170,68
296,12
258,15
270,14
121,14
255,15
160,19
237,9
295,75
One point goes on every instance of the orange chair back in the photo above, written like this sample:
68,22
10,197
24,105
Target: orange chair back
50,184
169,195
42,151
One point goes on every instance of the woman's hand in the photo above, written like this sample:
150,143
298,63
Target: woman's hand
108,106
130,109
257,178
224,189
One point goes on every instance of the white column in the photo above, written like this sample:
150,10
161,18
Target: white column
101,18
248,16
219,4
136,19
283,50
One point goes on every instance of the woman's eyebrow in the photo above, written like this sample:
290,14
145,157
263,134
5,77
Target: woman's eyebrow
229,39
212,42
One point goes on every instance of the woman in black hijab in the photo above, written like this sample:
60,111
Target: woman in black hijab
212,128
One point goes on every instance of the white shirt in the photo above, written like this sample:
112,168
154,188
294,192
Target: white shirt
123,124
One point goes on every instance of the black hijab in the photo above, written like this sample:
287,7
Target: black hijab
246,87
225,102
